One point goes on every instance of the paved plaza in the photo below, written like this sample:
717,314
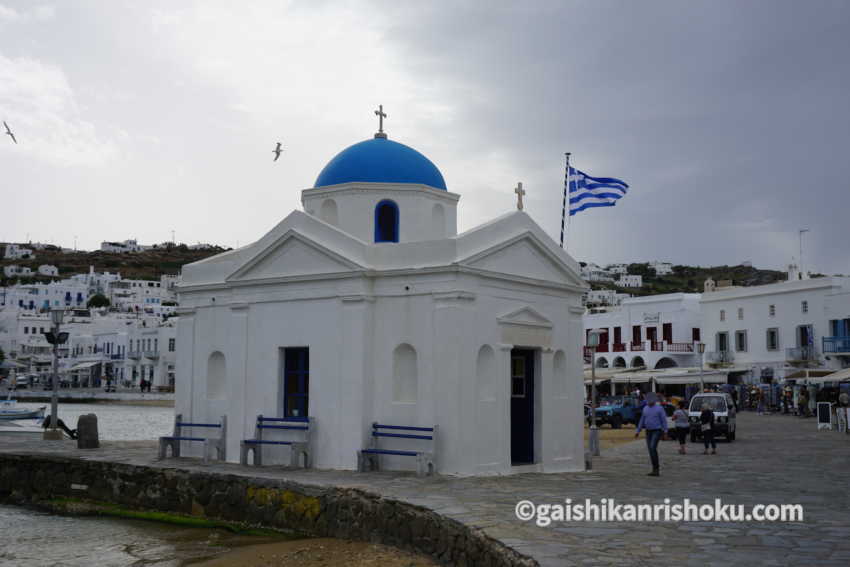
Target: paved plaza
775,460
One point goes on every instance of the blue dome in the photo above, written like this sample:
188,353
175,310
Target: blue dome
380,160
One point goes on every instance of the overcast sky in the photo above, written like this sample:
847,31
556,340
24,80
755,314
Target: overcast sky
730,120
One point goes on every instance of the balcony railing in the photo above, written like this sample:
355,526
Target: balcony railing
602,347
657,346
637,347
588,354
152,354
836,344
719,357
803,353
116,356
680,347
134,354
618,347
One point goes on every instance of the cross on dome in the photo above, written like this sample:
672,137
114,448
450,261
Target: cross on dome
381,115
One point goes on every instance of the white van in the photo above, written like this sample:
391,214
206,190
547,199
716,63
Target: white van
724,414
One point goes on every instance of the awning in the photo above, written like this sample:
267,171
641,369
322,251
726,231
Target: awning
840,376
673,376
589,381
82,366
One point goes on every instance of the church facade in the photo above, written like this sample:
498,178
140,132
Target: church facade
368,306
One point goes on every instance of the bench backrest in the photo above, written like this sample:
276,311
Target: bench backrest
296,426
179,425
410,433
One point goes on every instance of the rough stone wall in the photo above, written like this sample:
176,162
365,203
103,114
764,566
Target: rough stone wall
311,510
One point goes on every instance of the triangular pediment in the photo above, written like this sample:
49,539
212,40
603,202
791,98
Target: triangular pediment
526,257
293,255
527,316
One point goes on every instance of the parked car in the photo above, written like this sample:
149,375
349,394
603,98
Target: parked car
617,411
725,422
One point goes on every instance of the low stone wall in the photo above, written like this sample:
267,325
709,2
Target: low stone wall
311,510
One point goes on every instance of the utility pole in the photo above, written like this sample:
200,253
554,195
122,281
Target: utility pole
802,230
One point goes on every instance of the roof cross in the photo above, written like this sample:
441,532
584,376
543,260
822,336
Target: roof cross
519,193
381,115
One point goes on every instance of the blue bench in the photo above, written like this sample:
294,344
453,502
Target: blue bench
370,458
300,426
210,443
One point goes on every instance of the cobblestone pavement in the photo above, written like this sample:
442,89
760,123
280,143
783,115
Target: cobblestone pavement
776,459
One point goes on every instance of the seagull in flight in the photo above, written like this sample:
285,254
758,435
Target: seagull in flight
9,132
277,151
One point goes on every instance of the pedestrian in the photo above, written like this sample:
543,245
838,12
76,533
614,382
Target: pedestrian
654,420
803,402
680,419
735,398
706,420
759,402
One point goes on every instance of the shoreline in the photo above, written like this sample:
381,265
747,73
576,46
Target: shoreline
98,397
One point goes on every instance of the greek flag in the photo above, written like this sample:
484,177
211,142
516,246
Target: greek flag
586,191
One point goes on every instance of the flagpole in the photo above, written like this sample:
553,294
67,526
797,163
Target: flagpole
564,204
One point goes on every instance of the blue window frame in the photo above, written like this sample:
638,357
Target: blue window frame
296,381
386,221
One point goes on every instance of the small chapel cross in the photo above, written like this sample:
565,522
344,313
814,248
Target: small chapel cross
381,115
519,193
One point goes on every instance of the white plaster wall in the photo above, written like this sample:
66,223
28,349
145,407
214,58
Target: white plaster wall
355,209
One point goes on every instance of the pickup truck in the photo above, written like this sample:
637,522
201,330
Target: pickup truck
617,410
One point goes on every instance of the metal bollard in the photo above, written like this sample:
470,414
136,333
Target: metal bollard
87,435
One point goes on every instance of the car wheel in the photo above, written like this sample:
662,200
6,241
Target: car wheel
617,422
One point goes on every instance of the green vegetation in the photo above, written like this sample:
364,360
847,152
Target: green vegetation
690,279
98,300
147,265
83,507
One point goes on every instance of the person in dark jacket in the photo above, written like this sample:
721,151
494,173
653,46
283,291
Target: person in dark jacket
706,419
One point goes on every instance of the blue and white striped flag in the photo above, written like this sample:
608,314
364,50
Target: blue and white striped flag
586,191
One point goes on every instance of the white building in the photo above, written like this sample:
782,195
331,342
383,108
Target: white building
627,280
122,247
368,306
13,271
773,330
657,331
618,268
603,297
48,270
18,252
593,273
201,246
661,268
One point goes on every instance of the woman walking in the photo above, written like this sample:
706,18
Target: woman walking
706,420
680,419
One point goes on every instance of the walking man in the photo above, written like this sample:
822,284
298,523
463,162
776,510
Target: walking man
654,420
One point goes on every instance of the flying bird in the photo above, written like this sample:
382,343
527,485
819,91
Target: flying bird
9,132
277,151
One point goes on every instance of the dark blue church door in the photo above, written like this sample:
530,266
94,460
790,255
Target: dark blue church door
296,381
522,406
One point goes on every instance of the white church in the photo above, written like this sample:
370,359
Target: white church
368,306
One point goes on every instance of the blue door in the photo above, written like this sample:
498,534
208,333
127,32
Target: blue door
522,406
296,381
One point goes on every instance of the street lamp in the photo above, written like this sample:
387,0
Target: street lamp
55,338
701,351
592,343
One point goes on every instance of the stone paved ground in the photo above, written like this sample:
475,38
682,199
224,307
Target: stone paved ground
776,459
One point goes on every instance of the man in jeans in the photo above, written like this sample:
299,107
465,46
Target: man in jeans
654,420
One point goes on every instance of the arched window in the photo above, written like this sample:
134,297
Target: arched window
328,212
486,375
560,373
386,221
405,374
438,220
216,376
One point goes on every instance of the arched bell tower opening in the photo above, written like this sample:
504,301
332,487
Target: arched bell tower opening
386,221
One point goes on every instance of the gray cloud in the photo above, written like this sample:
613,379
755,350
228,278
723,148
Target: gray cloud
728,119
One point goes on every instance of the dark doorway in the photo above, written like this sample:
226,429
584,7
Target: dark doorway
296,381
667,332
695,334
652,334
636,338
522,406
